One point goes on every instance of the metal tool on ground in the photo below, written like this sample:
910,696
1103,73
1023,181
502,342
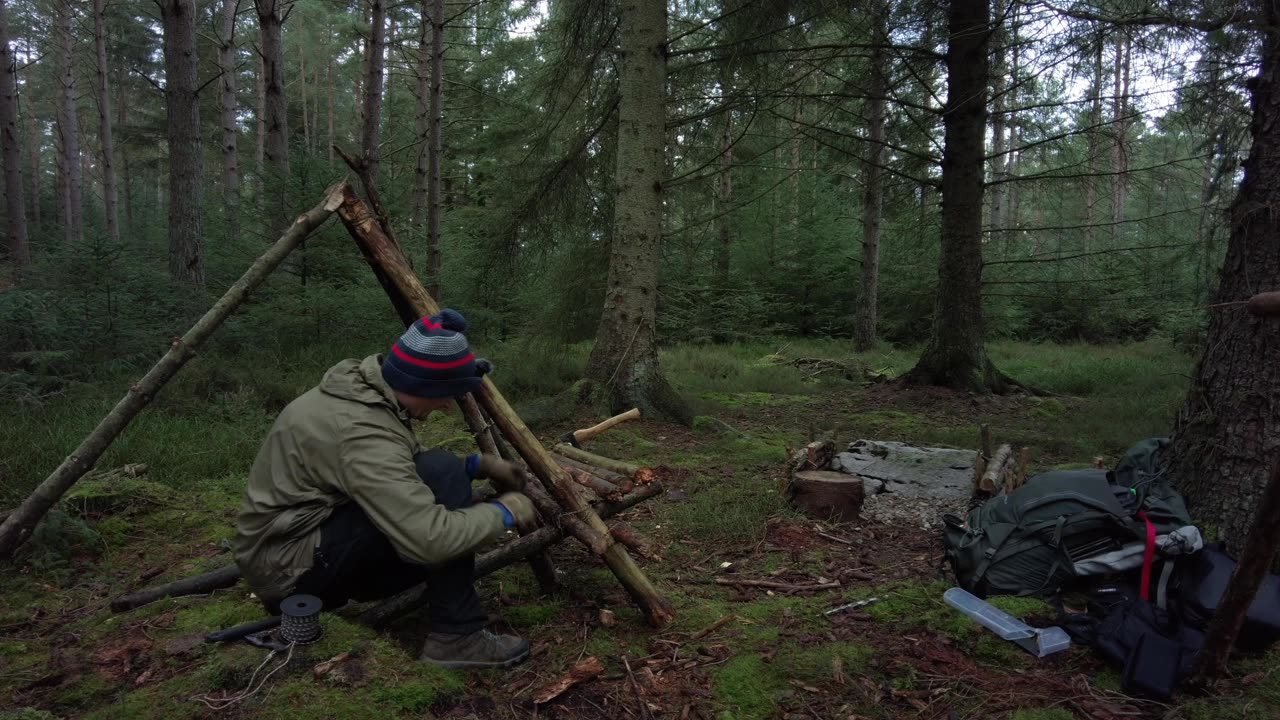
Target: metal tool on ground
1037,641
577,437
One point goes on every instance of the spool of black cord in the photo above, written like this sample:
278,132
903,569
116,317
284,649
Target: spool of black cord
300,619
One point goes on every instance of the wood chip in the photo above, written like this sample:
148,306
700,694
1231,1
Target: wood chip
580,673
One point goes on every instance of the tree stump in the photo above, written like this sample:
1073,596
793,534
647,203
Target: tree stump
826,495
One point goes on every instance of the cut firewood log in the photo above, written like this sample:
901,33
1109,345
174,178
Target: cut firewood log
635,472
607,475
993,478
606,490
814,456
826,495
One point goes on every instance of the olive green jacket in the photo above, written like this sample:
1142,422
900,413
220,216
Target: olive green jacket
345,440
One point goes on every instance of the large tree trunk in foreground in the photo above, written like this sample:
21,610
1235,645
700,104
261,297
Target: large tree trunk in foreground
15,207
186,158
69,127
864,321
1227,435
955,356
18,526
230,132
624,360
110,194
275,178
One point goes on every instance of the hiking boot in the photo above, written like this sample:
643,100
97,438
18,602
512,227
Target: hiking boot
480,649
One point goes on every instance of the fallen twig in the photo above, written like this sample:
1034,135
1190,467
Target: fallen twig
774,585
580,673
713,627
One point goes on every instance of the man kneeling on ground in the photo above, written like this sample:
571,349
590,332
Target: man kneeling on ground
342,503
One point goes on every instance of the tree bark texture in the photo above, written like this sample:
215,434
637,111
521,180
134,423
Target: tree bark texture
18,526
724,188
69,127
275,110
371,133
19,252
1227,434
1095,145
186,157
412,300
865,315
110,191
260,132
435,157
422,127
999,93
624,360
229,106
36,130
955,355
1120,128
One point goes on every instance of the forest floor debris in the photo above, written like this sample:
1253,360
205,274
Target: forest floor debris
739,650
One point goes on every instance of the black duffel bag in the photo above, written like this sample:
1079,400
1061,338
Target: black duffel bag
1203,579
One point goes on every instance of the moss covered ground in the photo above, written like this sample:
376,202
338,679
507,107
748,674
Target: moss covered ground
64,654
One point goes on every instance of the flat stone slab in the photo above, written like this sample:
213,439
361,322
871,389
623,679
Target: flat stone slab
908,470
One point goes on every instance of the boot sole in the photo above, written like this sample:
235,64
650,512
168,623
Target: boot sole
476,665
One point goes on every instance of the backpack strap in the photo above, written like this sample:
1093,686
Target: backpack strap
1148,556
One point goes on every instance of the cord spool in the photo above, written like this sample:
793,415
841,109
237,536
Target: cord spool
300,619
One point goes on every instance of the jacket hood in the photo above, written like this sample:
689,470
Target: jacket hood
361,381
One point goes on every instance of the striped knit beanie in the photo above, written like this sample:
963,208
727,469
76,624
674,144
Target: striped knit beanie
432,359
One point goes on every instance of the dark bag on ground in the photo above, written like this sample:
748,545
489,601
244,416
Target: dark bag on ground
1203,580
1027,542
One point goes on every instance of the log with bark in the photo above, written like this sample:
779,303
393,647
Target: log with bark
402,285
992,479
635,472
220,579
18,526
827,495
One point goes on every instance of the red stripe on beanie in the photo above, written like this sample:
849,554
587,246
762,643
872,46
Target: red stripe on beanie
427,363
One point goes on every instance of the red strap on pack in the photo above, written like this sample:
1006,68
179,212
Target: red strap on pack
1148,557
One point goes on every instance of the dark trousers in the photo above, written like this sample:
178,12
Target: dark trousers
356,561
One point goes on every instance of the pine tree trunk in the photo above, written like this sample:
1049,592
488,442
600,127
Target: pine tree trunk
69,126
186,158
19,252
422,124
1119,126
122,122
624,360
724,193
1227,435
435,153
866,313
370,136
955,356
230,130
999,89
34,143
110,194
328,76
260,135
1095,150
302,97
275,115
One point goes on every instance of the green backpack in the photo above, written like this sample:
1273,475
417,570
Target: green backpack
1027,542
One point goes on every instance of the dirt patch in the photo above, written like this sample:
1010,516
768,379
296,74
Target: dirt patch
118,659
